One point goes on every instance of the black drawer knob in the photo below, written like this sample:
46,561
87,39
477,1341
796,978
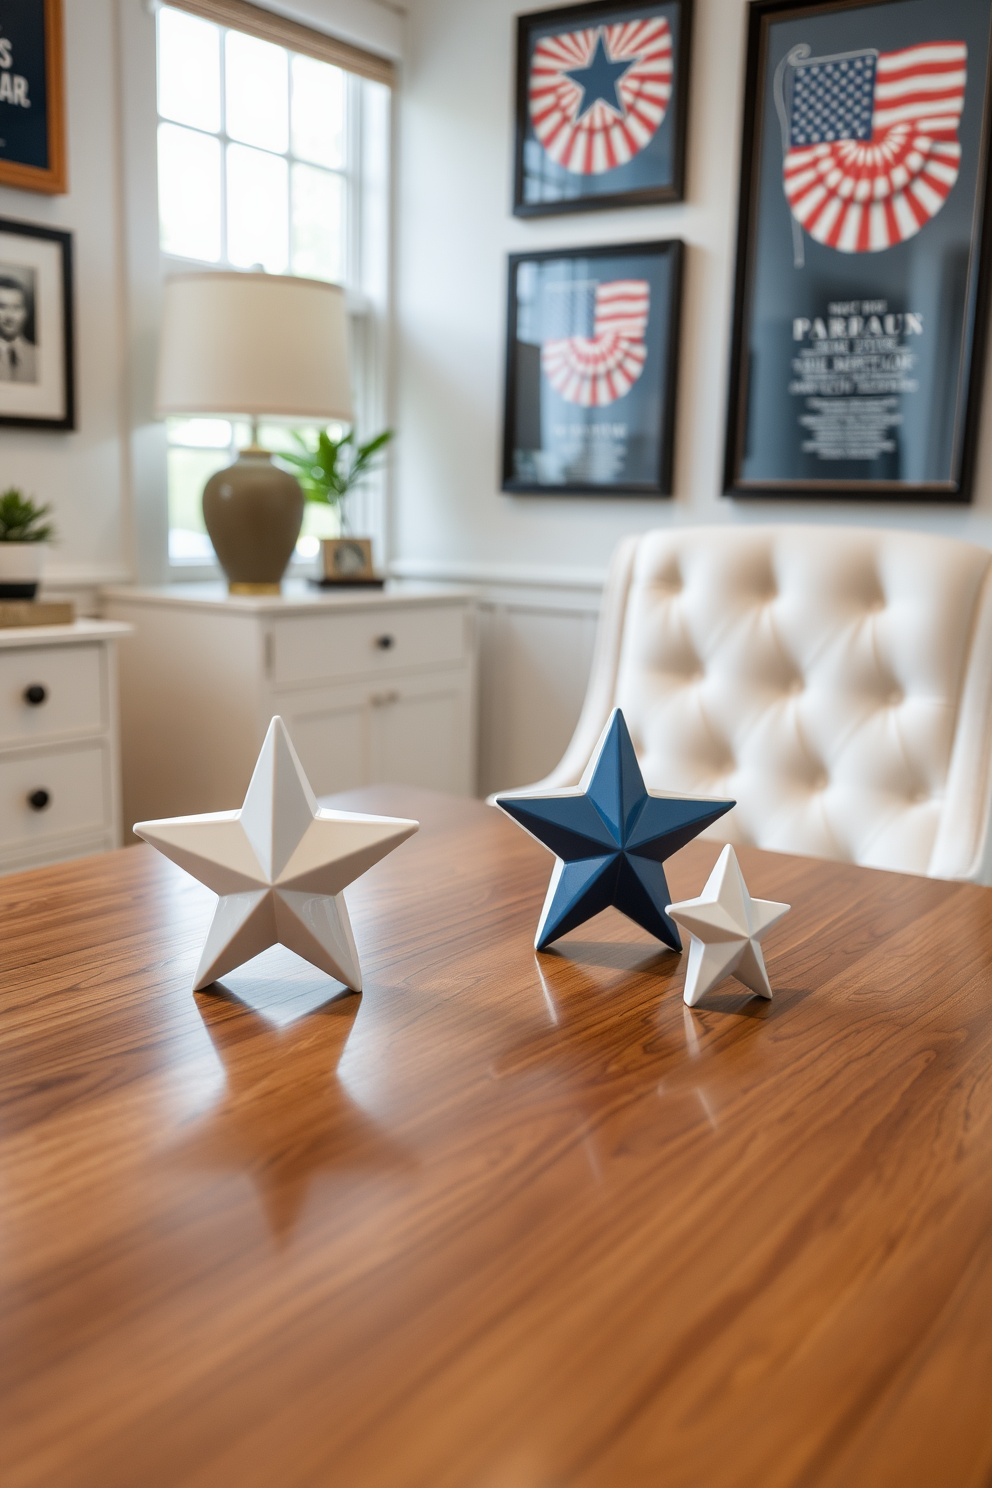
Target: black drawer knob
35,694
385,642
38,800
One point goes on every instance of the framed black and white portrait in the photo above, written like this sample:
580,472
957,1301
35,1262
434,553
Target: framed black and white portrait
863,251
602,100
591,364
36,357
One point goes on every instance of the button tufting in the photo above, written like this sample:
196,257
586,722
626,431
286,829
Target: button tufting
855,607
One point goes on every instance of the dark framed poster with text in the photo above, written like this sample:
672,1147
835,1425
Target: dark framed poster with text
862,251
591,360
32,103
602,96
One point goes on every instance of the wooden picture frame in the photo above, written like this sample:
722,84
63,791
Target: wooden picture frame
591,370
32,144
863,252
37,383
625,147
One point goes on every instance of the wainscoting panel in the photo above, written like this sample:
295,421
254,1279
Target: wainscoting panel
536,640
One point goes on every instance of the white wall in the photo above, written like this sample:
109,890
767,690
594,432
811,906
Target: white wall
455,230
83,474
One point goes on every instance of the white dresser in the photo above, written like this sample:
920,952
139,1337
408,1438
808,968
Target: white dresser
373,685
59,770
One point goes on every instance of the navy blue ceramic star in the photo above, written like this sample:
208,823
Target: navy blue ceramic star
599,79
611,840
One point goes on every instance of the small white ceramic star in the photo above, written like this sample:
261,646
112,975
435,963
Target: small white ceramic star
726,926
280,866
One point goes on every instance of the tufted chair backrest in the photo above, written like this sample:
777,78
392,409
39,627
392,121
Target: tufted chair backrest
837,682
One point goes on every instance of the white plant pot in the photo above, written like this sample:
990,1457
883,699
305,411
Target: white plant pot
21,564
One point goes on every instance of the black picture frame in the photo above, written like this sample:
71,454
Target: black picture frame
656,170
860,315
556,438
37,381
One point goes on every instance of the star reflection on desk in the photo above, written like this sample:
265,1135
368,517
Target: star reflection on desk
595,1021
284,1117
613,1031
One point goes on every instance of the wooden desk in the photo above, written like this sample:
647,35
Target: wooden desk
502,1222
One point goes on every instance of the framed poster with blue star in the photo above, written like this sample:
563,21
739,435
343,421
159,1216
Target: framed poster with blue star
591,361
862,252
602,93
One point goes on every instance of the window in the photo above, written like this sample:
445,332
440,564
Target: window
259,152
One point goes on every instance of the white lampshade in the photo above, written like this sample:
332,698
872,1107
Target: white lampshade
266,345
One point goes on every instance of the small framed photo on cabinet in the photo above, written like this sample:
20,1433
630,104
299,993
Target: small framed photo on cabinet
862,252
591,361
36,381
602,97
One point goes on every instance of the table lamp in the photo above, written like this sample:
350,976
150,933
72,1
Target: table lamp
261,345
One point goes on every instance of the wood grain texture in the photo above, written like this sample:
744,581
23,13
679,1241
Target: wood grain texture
504,1221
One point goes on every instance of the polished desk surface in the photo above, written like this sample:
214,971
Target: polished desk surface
504,1221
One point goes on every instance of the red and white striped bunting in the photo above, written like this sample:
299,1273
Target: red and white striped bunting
600,139
595,372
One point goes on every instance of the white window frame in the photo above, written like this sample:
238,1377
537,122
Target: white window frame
368,275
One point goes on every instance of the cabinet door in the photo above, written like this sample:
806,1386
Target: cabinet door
331,736
421,734
404,731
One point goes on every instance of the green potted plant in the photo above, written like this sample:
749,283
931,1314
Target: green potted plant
328,470
24,532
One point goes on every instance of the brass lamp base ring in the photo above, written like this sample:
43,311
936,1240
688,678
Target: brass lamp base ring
241,587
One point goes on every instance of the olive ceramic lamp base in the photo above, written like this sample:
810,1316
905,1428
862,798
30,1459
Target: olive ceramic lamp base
253,513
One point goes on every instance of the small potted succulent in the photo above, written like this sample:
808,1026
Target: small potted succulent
328,471
24,532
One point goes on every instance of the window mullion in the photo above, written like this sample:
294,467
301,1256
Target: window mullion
352,177
223,146
290,157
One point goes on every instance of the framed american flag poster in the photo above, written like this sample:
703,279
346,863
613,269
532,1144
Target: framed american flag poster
602,94
862,252
591,360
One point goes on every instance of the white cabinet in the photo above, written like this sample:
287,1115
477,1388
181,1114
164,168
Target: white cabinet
374,686
59,771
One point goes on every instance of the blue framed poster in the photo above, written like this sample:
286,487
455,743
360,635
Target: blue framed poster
591,359
602,97
862,253
32,105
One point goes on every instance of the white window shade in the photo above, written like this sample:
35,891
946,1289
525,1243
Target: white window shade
254,21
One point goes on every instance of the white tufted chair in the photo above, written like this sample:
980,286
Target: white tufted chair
837,682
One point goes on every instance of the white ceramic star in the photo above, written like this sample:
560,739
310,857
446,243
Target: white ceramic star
726,926
280,866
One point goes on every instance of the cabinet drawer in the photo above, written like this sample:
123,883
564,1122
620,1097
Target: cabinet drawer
75,781
326,648
69,682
